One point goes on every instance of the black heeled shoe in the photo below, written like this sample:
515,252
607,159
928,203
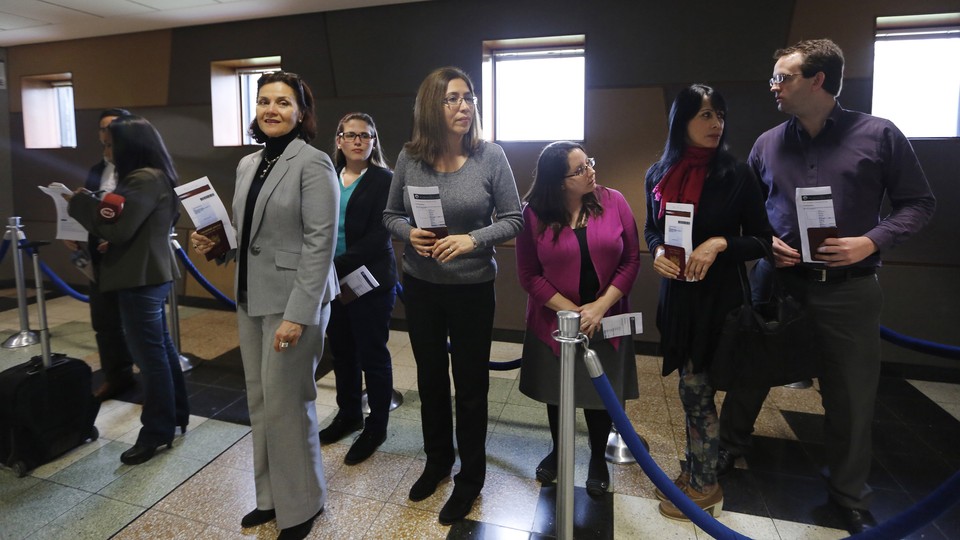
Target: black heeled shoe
258,517
183,428
299,532
142,452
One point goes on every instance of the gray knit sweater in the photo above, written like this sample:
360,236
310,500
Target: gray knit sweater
484,187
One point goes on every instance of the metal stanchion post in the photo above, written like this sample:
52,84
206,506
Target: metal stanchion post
569,336
25,336
617,451
185,363
396,400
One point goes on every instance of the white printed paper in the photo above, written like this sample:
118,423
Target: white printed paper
625,324
356,284
427,211
205,208
678,225
814,210
67,227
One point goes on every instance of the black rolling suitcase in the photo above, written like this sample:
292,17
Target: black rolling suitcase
46,404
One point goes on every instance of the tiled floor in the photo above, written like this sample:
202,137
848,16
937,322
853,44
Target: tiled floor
204,485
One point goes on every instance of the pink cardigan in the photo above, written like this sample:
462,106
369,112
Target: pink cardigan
546,268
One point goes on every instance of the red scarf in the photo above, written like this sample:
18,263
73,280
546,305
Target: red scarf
683,182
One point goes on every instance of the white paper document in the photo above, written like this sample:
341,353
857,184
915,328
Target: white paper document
817,220
208,213
67,227
678,227
625,324
356,284
427,210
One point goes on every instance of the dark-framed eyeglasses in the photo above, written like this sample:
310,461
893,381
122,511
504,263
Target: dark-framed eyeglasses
350,136
455,101
781,78
581,170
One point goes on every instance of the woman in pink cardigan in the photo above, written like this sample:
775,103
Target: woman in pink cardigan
578,251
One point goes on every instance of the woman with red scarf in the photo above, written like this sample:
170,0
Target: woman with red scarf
728,209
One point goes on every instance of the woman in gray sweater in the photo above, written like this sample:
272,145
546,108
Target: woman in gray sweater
448,276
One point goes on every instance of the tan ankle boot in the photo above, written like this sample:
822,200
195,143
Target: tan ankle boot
680,482
711,501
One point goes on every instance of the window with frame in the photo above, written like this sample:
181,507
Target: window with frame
49,118
916,78
233,94
537,74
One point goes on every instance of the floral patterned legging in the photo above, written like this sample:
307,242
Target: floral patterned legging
703,427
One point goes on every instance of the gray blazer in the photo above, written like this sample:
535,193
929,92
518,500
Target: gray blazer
140,252
293,234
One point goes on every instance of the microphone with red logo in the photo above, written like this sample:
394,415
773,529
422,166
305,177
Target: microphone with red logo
111,206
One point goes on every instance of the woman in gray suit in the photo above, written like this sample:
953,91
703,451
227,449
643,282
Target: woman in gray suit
139,265
285,212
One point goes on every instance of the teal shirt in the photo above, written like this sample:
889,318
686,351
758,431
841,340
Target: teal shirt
345,193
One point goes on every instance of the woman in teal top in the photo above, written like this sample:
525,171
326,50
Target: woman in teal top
359,327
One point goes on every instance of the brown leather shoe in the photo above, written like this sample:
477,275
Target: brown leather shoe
110,390
680,482
711,501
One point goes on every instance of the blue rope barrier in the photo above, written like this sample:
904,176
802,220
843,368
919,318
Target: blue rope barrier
505,366
60,284
188,264
702,519
910,520
3,248
919,345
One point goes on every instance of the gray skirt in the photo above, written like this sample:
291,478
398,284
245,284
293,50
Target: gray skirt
540,372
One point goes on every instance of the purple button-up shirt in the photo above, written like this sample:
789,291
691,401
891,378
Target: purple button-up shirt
860,157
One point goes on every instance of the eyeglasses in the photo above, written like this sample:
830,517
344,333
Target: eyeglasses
781,78
581,170
350,136
455,101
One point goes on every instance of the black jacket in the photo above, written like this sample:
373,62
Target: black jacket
368,241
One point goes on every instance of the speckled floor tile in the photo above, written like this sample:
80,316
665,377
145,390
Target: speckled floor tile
404,437
346,517
375,478
156,525
208,440
29,504
629,479
753,526
770,423
95,517
96,470
518,455
120,419
404,523
507,500
218,496
790,529
636,517
49,469
942,393
499,390
239,456
147,483
432,503
647,409
792,399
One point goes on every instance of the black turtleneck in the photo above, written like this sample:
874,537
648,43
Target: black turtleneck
271,153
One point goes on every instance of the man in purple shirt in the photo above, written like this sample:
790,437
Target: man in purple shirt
860,158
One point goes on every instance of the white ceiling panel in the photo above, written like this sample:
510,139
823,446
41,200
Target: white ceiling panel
39,21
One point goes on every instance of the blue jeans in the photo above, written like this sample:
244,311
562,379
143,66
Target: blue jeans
165,393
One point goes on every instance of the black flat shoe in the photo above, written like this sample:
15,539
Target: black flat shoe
141,453
298,532
725,462
457,507
339,429
258,517
547,469
426,485
364,446
855,520
598,479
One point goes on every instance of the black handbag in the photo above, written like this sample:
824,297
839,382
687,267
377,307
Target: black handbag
766,344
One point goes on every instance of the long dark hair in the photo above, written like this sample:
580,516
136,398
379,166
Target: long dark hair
308,124
546,197
376,155
136,145
685,106
429,122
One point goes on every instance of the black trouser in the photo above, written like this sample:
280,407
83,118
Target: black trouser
465,314
358,334
115,359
